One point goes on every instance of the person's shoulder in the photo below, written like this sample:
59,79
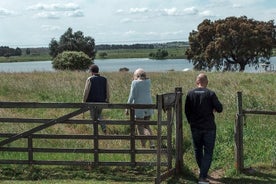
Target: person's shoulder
88,78
210,91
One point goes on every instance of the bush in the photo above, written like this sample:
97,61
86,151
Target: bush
71,60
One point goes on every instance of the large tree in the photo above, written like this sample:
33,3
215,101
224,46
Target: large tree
231,43
70,41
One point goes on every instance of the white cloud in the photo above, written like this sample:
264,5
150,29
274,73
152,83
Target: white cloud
5,12
48,15
54,7
50,28
206,13
138,10
56,11
76,13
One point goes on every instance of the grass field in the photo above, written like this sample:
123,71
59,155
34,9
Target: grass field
259,133
174,53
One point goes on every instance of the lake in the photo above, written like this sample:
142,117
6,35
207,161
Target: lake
111,65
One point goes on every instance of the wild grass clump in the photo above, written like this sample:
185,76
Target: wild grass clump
258,91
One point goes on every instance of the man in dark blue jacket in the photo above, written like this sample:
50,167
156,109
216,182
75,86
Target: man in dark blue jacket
96,90
200,105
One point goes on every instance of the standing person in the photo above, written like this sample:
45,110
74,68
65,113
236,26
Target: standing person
200,105
140,94
96,90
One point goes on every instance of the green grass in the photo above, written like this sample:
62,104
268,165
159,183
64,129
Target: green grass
259,133
174,53
23,58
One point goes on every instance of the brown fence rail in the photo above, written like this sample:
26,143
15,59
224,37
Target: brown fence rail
35,146
239,124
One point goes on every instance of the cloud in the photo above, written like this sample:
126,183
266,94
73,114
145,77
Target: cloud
50,28
181,12
138,10
56,11
48,15
206,13
157,12
76,13
6,12
55,7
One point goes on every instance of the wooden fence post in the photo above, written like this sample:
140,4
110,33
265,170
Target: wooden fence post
159,140
239,163
179,132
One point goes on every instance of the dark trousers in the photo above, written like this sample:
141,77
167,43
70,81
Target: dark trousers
96,114
204,143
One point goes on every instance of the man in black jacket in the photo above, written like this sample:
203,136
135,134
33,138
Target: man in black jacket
200,105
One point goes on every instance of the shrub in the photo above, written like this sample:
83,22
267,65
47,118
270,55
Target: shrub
71,60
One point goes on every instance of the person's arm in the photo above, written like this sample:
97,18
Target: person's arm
130,97
86,90
131,93
107,92
187,108
216,103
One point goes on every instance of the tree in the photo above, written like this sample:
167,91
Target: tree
70,41
160,54
71,60
103,54
230,43
28,51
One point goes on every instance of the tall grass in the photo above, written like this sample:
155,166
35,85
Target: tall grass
258,93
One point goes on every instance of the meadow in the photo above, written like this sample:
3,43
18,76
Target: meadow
259,132
174,53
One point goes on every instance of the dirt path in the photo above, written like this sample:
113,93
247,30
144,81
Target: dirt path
215,177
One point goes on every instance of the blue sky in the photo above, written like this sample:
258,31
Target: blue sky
33,23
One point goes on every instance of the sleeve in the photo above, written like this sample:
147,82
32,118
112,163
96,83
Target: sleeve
131,93
107,92
217,104
188,108
86,90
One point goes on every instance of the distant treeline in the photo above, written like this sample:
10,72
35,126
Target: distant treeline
7,51
141,46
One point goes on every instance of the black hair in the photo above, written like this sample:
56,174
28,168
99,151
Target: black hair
94,69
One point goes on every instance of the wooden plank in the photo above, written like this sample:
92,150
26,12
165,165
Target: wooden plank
74,105
41,127
261,112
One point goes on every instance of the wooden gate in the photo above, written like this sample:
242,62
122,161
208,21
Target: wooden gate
29,145
239,124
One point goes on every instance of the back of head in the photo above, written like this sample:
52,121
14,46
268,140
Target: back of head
139,74
202,80
94,68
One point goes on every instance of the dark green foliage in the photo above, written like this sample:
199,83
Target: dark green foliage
71,60
160,54
229,43
7,51
103,54
70,41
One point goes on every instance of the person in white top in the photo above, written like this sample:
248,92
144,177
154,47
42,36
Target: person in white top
140,93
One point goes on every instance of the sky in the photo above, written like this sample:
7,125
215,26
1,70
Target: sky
34,23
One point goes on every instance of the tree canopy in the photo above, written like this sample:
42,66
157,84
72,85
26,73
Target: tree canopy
70,41
160,54
231,43
71,60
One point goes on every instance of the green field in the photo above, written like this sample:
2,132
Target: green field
259,133
174,53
